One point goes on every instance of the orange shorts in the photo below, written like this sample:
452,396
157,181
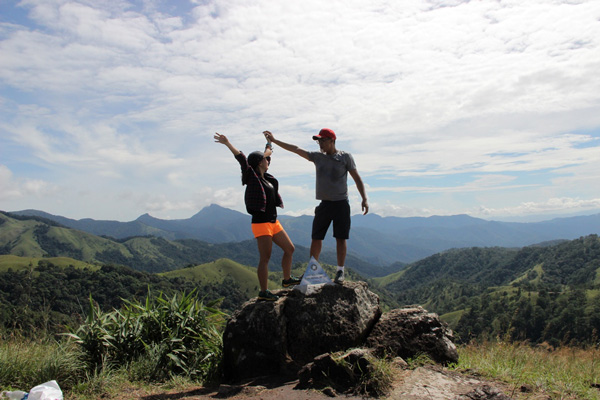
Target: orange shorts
266,229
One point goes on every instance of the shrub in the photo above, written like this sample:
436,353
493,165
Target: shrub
158,339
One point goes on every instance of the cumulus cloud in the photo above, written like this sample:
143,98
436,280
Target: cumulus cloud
464,96
12,188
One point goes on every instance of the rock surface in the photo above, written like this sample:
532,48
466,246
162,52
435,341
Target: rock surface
263,338
411,331
338,372
267,338
434,383
423,383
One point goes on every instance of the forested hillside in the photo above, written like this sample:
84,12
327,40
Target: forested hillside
537,293
49,297
548,292
33,236
38,237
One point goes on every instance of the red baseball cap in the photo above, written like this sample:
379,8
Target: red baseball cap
325,133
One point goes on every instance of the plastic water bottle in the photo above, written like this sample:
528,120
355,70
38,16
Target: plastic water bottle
15,395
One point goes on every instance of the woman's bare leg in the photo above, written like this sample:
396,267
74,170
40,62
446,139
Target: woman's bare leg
265,245
282,240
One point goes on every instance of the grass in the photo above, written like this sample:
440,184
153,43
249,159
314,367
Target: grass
159,340
24,263
25,363
564,373
379,380
386,280
216,272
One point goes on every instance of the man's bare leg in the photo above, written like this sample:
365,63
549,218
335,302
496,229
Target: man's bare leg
315,248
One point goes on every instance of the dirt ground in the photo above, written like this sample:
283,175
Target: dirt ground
425,383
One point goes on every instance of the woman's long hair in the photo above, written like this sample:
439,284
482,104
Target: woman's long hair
253,161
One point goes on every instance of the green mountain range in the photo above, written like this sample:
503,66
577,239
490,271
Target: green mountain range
33,236
548,292
380,241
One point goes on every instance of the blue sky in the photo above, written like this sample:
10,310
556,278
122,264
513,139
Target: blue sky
489,108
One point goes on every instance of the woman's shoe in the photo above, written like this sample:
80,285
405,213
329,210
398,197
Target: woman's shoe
291,282
267,295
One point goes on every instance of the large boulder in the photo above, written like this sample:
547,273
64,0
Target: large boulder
411,331
264,338
280,337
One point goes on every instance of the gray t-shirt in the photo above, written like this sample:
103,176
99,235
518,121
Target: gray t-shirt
332,174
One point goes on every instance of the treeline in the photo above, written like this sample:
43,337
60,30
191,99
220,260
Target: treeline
556,301
537,293
570,317
49,298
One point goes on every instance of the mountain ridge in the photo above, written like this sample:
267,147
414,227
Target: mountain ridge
35,236
530,293
379,240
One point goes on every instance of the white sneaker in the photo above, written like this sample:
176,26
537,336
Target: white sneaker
339,276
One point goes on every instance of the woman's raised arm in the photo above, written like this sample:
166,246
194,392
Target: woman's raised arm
223,140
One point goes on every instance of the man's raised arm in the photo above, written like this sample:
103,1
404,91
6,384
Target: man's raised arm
286,146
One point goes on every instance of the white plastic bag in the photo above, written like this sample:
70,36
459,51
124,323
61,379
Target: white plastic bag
14,395
46,391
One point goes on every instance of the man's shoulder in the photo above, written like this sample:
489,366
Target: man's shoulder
344,155
338,156
312,155
332,155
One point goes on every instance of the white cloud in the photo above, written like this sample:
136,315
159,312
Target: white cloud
15,189
387,209
7,189
171,206
553,205
467,96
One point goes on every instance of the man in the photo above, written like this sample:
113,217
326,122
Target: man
332,167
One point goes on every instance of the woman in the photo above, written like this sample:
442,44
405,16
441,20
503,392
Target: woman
262,199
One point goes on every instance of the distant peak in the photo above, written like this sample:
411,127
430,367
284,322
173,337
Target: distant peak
145,217
214,206
211,209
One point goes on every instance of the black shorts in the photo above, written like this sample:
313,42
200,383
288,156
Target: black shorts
337,212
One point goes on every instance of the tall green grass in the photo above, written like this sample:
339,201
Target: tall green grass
26,363
158,341
563,373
